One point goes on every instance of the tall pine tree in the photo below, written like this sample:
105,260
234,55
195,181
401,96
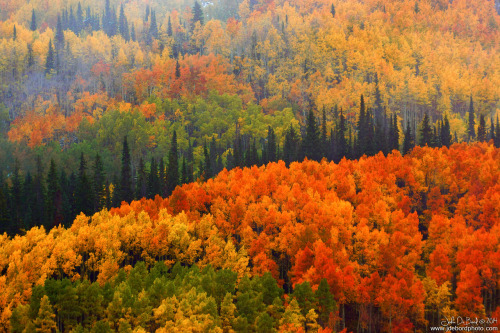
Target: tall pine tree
173,165
471,132
125,191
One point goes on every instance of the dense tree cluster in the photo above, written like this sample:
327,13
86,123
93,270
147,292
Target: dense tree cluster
398,241
54,197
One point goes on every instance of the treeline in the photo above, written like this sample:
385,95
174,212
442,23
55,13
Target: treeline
54,197
161,299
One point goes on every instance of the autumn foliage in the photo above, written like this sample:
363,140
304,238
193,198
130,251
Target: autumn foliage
401,241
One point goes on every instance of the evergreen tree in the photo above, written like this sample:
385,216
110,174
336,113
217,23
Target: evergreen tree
99,184
446,132
481,130
408,142
54,197
292,146
362,140
425,132
153,29
311,147
125,192
213,157
39,213
370,143
184,171
141,182
84,191
123,24
50,60
492,130
5,224
33,20
162,178
271,145
169,28
31,58
324,138
342,148
197,15
146,16
497,136
332,10
394,142
173,166
153,187
207,167
79,18
132,33
15,199
177,69
471,133
59,33
14,33
72,21
27,203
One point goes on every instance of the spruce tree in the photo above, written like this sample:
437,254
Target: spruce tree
72,21
39,213
84,191
324,138
197,15
311,147
14,33
207,167
177,69
125,192
471,133
271,145
342,148
184,171
492,130
99,184
141,181
132,33
15,199
173,166
59,34
446,132
408,142
497,136
332,10
395,133
362,139
153,187
33,20
425,132
291,148
481,130
79,18
50,60
5,224
213,156
54,197
123,24
169,28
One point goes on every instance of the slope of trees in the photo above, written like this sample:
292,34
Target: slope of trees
274,54
398,241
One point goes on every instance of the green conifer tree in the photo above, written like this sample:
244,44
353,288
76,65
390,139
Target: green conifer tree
173,165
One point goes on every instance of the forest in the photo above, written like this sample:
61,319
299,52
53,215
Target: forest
248,166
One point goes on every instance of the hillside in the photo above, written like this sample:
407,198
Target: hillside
382,243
